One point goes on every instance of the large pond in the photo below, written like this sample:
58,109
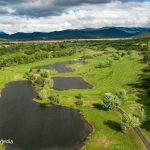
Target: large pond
35,128
61,67
66,83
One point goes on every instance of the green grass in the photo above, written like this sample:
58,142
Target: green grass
2,147
121,74
106,137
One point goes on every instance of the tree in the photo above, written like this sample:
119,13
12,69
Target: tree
54,99
44,74
104,64
40,81
42,94
121,94
147,56
141,114
38,70
116,56
30,76
123,54
110,101
129,121
49,82
147,53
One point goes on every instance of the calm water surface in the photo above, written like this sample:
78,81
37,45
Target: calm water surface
61,67
66,83
34,128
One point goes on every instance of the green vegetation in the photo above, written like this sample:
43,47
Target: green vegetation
15,54
142,114
116,56
54,99
121,94
110,101
42,82
104,64
2,147
79,102
129,121
118,71
147,53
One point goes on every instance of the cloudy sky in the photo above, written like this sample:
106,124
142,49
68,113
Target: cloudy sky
51,15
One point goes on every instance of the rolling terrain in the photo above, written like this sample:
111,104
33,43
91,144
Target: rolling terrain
107,32
124,56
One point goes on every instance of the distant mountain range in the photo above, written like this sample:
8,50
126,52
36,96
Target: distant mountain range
89,33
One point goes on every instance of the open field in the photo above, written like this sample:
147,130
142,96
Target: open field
55,41
122,74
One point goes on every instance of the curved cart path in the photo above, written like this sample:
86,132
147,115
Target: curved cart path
139,133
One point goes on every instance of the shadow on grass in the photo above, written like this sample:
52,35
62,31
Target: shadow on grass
146,69
99,106
143,99
113,125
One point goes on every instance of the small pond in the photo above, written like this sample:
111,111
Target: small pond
61,67
66,83
34,128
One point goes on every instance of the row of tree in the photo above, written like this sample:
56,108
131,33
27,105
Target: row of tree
19,53
43,83
128,120
23,58
145,78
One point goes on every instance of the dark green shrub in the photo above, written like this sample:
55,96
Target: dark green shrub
121,94
31,70
44,74
79,102
123,54
104,64
38,70
147,56
116,56
40,81
54,99
30,76
79,96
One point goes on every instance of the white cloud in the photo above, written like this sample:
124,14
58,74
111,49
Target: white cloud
132,14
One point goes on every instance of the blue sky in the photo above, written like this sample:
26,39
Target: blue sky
51,15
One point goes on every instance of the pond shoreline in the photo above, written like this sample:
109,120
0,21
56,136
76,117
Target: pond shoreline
61,67
68,83
87,126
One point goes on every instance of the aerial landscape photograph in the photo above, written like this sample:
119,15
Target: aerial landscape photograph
74,74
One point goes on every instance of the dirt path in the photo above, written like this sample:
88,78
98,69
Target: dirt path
139,133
